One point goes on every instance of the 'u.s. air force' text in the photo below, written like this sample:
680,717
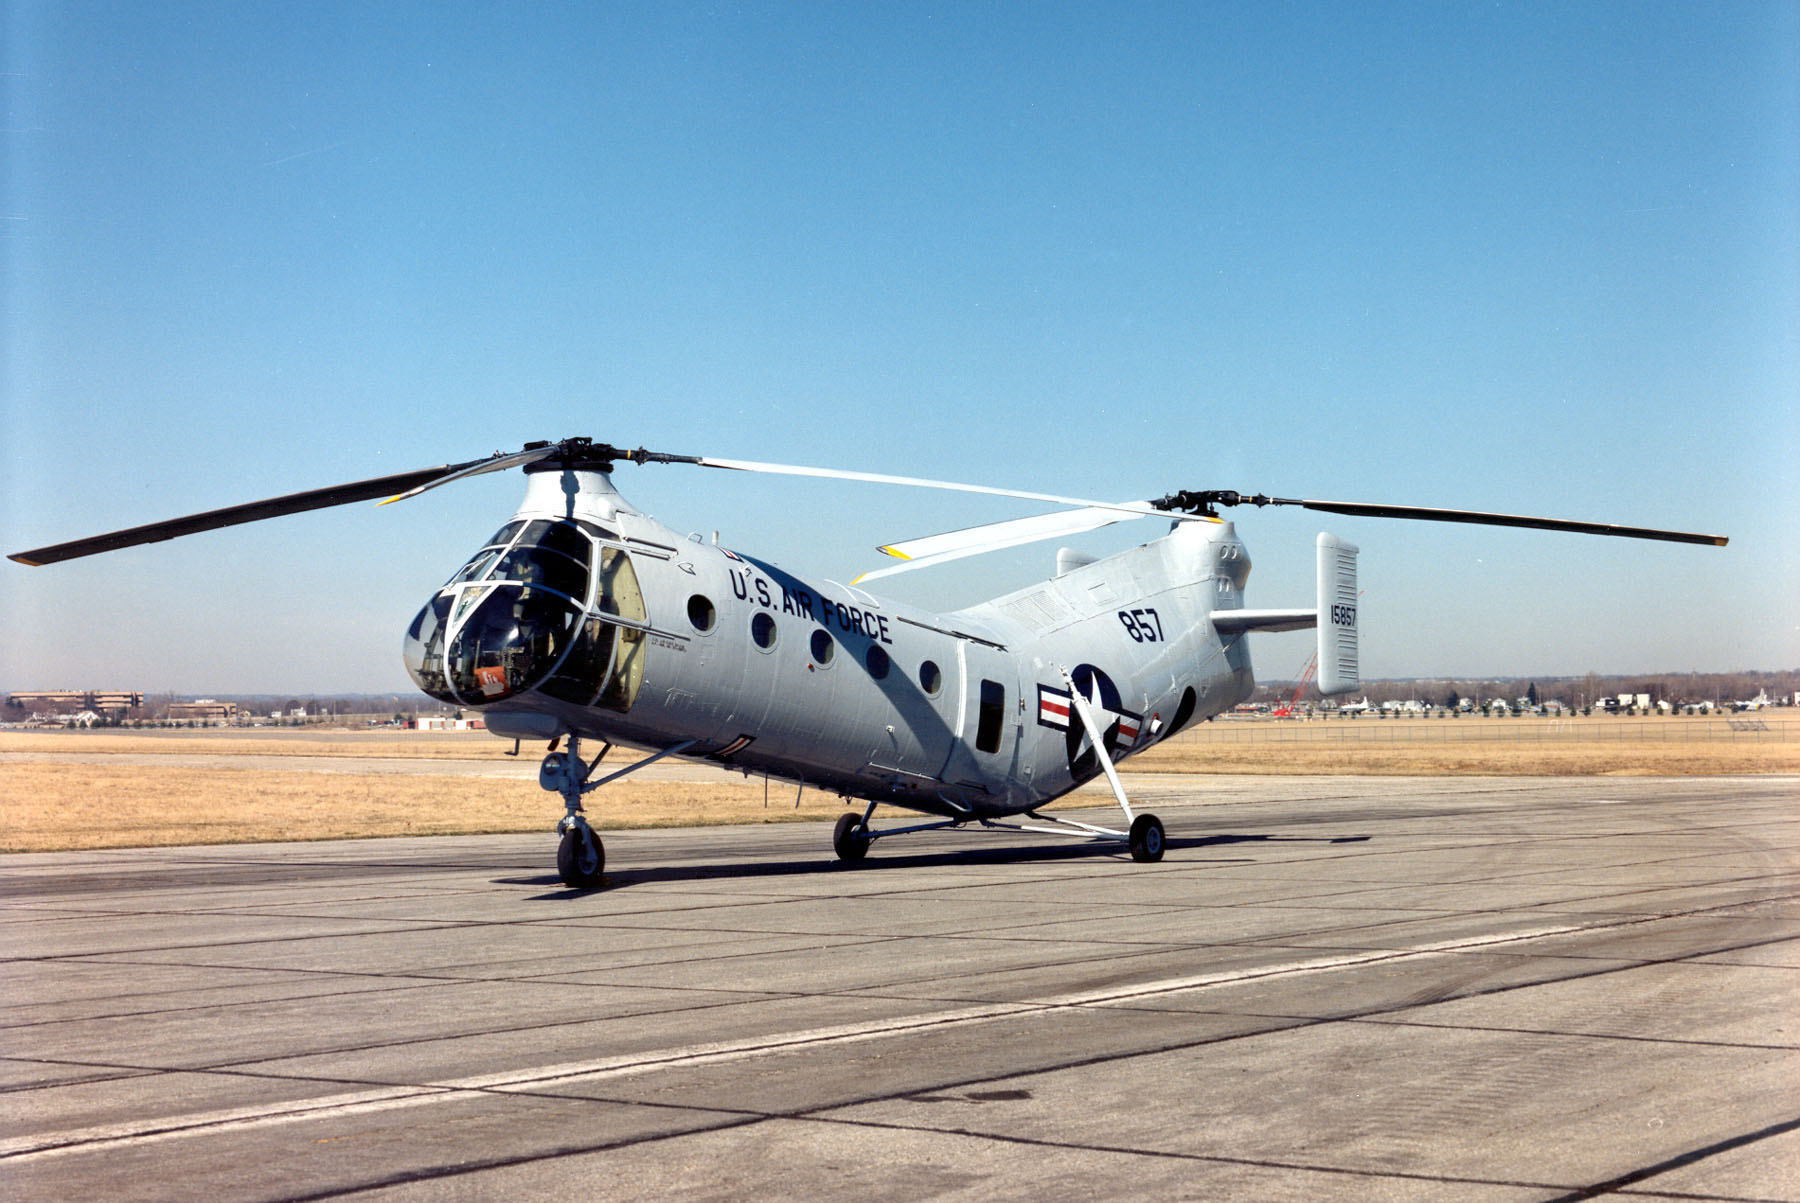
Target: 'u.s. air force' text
851,619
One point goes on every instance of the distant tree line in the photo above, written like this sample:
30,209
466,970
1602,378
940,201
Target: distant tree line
1575,693
260,707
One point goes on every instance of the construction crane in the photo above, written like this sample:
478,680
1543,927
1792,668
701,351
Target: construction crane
1287,710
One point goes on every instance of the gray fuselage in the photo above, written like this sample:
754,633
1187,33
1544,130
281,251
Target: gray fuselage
585,616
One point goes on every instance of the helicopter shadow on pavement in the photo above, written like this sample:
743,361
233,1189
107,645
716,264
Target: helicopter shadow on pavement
826,863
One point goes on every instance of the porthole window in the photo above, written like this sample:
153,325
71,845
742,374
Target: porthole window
701,613
762,629
878,661
931,679
822,648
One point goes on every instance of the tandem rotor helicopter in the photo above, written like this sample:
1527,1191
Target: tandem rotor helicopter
583,619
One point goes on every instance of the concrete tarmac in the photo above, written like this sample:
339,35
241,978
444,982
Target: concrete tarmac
1329,988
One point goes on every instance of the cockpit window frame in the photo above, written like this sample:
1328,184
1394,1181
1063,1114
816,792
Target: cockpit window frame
465,595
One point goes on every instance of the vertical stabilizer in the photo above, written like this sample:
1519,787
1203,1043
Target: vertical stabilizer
1339,668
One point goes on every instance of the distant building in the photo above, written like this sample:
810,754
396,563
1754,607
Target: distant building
102,701
205,709
430,722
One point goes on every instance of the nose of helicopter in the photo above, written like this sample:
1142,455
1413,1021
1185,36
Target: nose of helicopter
489,644
502,623
549,605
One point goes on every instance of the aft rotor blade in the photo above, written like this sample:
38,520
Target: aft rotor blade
978,540
993,536
235,515
1480,518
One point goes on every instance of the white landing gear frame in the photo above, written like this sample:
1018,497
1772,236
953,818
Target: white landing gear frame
1143,833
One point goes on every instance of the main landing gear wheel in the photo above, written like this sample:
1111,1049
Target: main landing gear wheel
850,838
1146,838
580,858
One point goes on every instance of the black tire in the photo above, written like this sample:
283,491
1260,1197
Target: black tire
850,838
1146,838
581,859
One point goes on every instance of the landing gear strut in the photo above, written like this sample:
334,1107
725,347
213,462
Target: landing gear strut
851,838
1145,835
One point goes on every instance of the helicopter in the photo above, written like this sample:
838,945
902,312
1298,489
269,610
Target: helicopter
584,619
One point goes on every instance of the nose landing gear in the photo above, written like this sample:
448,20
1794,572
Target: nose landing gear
580,857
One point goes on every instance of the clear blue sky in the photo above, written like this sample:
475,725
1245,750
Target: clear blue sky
1536,258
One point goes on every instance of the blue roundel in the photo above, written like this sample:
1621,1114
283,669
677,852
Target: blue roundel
1119,726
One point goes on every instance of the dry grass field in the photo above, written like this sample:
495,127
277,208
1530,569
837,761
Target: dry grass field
1505,747
66,790
49,807
336,742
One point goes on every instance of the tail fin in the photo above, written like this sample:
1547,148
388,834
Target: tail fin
1340,670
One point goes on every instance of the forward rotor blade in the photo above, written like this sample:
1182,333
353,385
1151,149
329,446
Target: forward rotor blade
1480,518
955,545
235,515
917,482
494,463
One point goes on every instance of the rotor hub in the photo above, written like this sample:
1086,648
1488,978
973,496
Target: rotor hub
1207,501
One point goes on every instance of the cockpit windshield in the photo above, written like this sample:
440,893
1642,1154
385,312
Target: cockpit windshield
527,612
